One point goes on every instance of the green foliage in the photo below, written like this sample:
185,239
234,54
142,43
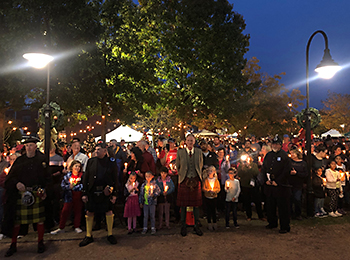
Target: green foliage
267,111
336,112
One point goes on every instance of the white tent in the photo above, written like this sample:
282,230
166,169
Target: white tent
205,132
332,133
123,132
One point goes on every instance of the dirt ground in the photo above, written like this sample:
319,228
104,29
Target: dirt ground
326,238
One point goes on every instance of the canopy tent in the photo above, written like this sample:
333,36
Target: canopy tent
205,132
123,132
332,133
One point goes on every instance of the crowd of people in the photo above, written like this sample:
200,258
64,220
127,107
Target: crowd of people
209,177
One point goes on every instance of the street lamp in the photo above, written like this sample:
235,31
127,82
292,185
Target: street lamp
326,69
39,61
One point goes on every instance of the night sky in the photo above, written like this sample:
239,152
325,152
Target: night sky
280,30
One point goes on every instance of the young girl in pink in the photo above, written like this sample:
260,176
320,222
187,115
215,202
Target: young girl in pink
132,206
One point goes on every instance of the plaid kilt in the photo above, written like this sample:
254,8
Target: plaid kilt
32,214
187,197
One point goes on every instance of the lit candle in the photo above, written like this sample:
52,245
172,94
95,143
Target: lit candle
227,184
324,181
71,180
227,157
344,151
6,170
171,166
157,150
133,184
65,165
90,154
126,165
151,189
212,186
170,158
166,188
259,159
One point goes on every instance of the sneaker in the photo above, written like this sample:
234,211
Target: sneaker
111,239
153,231
236,226
338,213
197,231
1,236
323,215
86,241
78,230
184,231
11,250
144,231
227,227
130,231
323,211
318,215
41,247
332,214
57,231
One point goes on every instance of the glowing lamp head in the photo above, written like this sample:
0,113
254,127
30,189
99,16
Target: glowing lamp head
327,72
327,67
38,60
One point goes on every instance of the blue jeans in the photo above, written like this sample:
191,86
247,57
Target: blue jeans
151,211
296,201
319,202
230,205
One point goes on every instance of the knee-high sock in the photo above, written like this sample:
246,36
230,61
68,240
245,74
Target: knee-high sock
89,224
109,221
15,232
41,231
196,215
183,216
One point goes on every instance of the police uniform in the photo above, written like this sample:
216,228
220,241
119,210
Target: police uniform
277,167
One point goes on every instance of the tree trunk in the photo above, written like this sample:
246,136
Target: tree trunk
182,133
103,120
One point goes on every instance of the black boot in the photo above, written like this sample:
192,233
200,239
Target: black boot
41,247
11,250
86,241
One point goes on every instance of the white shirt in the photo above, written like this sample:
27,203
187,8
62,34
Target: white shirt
82,158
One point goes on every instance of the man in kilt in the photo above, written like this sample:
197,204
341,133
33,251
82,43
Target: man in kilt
99,191
189,164
25,186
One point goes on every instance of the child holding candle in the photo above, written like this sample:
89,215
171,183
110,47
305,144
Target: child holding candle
333,185
132,206
211,188
341,169
167,189
318,186
72,187
233,189
148,200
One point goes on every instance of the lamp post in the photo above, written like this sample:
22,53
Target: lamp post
326,69
39,61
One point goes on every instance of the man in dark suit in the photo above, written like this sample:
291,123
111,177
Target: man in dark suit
189,164
99,194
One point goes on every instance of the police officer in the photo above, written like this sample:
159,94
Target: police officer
276,169
99,191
